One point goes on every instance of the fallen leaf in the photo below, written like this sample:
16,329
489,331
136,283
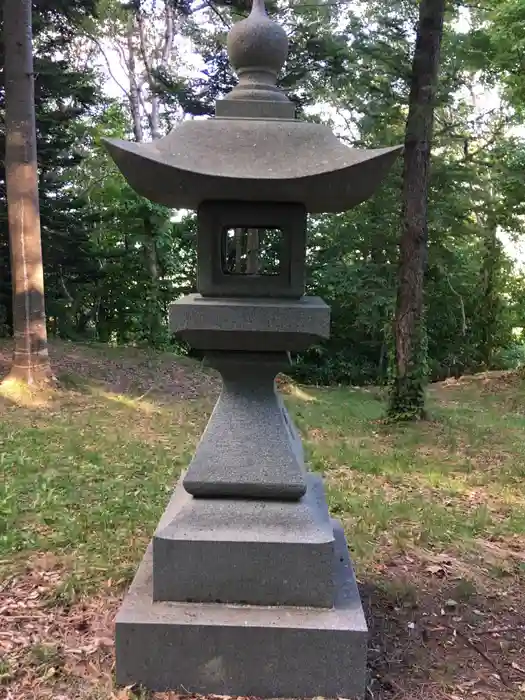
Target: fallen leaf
517,667
104,642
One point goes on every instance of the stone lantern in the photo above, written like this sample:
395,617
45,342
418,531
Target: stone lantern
247,587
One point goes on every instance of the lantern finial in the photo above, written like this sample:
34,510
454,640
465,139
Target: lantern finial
258,48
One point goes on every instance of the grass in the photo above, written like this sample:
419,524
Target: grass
434,512
88,478
440,484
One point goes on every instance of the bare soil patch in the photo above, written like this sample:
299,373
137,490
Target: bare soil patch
129,371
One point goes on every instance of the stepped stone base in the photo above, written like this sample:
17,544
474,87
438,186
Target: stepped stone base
212,648
221,550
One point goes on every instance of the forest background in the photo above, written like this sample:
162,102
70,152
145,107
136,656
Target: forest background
113,261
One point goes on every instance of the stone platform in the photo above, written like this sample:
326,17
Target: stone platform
261,651
224,550
250,325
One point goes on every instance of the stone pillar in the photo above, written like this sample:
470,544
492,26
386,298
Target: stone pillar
246,588
250,448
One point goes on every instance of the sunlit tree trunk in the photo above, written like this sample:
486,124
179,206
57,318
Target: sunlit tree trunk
30,357
238,250
407,399
140,50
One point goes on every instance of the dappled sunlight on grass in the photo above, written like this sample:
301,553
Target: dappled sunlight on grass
138,404
20,394
88,475
302,394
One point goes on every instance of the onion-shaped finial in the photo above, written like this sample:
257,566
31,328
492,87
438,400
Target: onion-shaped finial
257,47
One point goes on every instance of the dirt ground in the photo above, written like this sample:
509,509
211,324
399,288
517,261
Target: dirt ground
431,637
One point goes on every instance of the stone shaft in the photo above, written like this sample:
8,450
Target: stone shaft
250,447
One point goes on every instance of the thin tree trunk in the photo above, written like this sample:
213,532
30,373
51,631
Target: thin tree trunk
153,60
30,357
252,252
135,22
134,91
490,299
153,116
407,399
238,250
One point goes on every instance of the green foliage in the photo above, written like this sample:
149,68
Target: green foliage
124,302
510,357
477,178
502,38
114,262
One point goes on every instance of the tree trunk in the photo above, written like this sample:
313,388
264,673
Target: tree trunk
136,105
489,311
407,399
154,313
252,252
238,250
30,357
134,92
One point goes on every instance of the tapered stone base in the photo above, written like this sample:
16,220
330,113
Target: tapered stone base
223,649
250,448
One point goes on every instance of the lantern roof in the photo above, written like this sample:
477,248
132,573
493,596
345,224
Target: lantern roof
254,149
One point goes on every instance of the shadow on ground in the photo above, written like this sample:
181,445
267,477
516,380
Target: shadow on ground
433,636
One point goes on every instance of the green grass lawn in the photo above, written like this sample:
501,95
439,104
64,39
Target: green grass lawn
434,513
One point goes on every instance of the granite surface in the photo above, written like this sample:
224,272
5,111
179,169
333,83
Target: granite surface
245,550
257,49
272,652
214,217
252,160
250,447
250,325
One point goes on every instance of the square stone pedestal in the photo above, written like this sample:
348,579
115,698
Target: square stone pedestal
245,551
231,649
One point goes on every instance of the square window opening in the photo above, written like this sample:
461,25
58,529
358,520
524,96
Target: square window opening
252,251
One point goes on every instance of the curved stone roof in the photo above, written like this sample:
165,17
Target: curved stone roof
253,150
252,160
